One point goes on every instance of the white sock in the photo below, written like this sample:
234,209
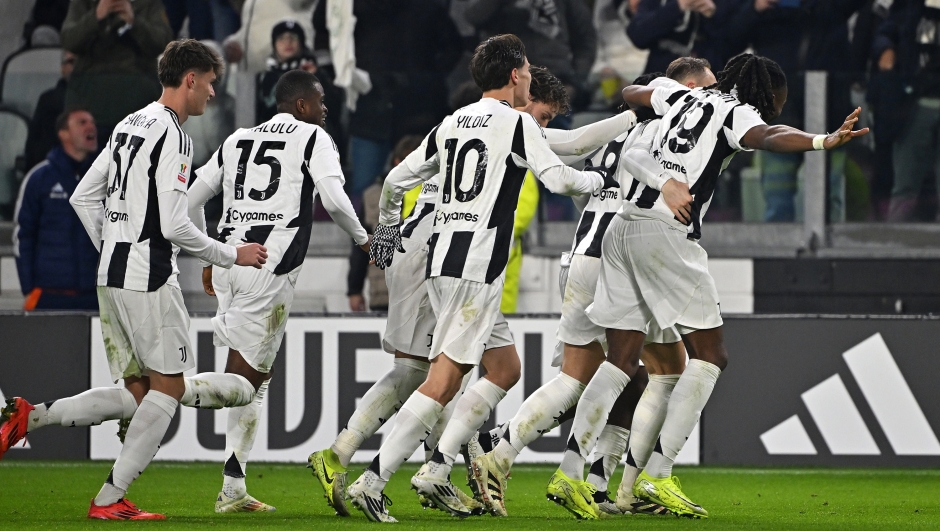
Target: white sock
434,438
685,407
87,409
607,454
380,402
239,438
647,423
471,411
538,414
415,420
147,428
591,417
215,390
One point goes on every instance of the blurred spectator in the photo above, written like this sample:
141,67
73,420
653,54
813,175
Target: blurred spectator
208,19
290,53
250,46
800,35
49,13
669,29
55,259
197,11
618,59
359,268
558,34
117,43
407,47
43,135
885,96
908,45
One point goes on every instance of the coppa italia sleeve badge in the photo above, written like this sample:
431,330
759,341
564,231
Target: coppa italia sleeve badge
182,174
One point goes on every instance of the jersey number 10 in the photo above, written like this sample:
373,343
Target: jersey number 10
454,169
260,159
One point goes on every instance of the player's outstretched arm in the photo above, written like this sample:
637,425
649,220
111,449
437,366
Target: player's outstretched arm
786,139
87,200
411,173
577,144
338,206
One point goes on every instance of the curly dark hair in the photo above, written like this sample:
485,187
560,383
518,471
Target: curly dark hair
755,78
546,88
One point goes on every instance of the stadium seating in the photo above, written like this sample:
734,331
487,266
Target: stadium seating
13,129
27,74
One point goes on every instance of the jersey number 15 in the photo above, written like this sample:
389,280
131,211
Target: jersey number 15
260,159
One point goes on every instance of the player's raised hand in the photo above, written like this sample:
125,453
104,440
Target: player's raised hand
385,242
844,134
678,199
207,281
251,255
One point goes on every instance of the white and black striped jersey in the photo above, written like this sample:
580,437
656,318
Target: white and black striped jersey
603,204
479,157
148,153
268,176
699,133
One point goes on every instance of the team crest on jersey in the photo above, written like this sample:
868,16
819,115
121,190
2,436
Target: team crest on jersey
182,174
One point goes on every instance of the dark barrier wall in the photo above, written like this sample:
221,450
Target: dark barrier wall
43,357
826,391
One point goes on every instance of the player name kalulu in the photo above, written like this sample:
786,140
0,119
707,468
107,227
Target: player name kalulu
275,128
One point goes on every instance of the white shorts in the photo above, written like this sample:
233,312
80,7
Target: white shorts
651,272
145,331
575,327
468,318
410,317
253,309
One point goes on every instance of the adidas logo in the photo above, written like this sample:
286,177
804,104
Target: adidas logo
839,421
58,192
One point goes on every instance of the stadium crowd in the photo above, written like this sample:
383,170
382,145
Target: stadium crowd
395,68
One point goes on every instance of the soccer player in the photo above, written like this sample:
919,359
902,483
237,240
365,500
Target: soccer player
133,204
654,272
584,348
269,176
411,321
482,153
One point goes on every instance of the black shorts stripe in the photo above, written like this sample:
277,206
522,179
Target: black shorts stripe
584,227
258,234
457,252
117,267
432,245
597,242
296,252
413,221
647,197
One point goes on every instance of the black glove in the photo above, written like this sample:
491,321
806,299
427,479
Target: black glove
385,241
607,174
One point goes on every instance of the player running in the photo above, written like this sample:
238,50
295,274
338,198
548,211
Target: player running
269,176
584,348
410,318
486,148
653,270
132,202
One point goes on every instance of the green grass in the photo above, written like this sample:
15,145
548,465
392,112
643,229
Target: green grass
56,494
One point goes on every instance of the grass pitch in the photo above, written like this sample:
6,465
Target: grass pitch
45,495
